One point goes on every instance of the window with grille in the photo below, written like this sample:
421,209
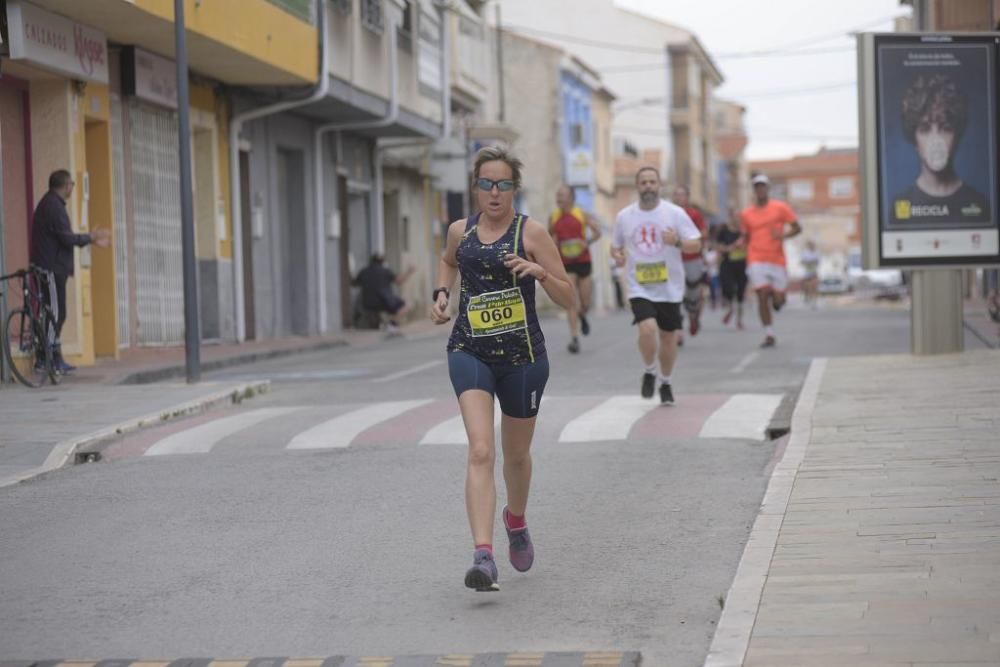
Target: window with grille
373,15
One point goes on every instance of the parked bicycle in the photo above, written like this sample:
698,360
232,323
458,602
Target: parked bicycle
31,329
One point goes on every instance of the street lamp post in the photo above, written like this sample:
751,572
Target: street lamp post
192,329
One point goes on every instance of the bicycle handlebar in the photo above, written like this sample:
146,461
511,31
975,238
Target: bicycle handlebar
20,273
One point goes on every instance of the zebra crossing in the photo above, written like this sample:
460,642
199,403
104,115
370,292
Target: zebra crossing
564,420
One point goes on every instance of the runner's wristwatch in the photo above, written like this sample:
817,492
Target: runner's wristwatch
434,294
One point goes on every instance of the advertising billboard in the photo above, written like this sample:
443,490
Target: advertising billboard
930,150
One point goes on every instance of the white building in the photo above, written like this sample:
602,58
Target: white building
656,67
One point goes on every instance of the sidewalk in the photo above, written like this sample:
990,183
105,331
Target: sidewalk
878,542
977,321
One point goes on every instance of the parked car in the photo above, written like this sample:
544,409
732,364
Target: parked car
833,284
882,281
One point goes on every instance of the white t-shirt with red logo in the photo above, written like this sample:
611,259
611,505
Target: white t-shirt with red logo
653,270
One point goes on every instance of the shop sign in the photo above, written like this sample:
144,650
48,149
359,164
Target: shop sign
149,77
56,42
579,167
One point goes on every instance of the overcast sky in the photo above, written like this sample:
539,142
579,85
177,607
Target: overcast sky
783,117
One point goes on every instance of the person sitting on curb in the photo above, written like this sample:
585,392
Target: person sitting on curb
377,296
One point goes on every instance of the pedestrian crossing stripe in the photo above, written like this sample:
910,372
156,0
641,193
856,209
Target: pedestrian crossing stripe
543,659
562,420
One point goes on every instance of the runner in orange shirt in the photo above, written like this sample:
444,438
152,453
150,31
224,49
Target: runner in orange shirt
765,225
568,226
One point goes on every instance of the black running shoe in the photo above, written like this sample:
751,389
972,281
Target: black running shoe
648,384
584,325
769,341
666,394
574,346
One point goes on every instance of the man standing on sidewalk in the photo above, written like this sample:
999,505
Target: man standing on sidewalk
649,237
569,226
766,224
52,243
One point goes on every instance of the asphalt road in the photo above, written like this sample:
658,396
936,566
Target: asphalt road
246,547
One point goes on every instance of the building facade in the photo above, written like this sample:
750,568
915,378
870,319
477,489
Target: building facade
677,80
733,170
92,88
564,136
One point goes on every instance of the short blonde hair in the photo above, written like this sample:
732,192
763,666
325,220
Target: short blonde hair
503,154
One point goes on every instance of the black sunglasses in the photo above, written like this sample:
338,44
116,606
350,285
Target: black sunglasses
486,185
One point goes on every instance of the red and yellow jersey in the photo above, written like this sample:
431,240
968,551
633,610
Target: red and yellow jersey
699,222
570,230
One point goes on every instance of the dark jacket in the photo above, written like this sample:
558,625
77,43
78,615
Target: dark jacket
376,283
52,238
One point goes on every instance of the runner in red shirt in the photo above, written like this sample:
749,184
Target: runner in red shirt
695,268
569,225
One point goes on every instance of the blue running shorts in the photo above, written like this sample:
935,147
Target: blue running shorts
518,388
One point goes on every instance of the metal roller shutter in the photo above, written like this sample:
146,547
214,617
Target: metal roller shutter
156,188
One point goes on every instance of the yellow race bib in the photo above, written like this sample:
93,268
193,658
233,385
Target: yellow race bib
497,312
571,248
651,272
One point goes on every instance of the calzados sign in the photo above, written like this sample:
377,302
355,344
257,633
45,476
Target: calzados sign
56,42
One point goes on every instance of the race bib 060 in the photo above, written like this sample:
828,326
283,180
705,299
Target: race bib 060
498,312
651,272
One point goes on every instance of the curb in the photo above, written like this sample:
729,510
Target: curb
65,451
526,659
732,635
152,375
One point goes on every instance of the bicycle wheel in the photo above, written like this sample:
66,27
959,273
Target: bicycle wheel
46,336
19,334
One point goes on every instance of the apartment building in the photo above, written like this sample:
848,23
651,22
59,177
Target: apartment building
955,15
664,98
732,167
91,87
562,115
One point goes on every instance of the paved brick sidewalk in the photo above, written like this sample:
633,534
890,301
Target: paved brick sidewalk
879,539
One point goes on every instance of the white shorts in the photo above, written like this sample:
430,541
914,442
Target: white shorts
763,274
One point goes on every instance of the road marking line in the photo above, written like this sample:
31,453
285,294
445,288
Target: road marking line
611,420
200,439
452,431
742,416
409,371
341,431
746,361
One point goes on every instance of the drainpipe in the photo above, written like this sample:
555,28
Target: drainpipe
382,145
319,92
442,7
392,115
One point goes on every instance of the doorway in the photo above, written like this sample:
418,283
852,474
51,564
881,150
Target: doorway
98,197
293,241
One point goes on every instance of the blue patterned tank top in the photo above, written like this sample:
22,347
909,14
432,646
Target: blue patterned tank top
496,320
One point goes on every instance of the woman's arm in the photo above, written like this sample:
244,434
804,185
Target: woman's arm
544,264
447,272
